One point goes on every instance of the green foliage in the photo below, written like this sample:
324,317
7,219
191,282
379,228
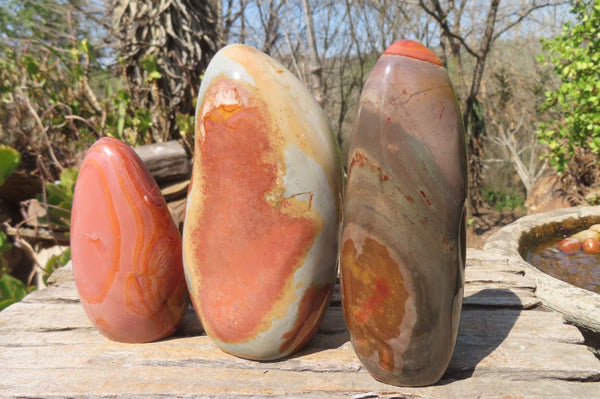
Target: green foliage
56,96
150,65
185,123
593,199
4,246
128,123
9,162
575,55
142,121
45,61
11,291
55,262
59,198
510,200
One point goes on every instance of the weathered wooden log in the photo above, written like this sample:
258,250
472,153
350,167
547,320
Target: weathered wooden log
166,161
175,190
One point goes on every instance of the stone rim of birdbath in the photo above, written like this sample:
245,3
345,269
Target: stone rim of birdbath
579,306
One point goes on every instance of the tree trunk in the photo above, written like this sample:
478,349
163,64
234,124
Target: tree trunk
316,68
473,114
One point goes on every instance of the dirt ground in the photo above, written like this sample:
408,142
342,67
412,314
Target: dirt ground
486,224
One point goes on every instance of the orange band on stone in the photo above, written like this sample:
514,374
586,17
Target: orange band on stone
413,49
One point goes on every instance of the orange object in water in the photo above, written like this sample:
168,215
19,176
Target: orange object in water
569,245
591,246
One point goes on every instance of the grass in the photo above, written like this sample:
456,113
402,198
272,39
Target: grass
510,200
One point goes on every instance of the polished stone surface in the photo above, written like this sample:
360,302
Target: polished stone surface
261,227
403,241
125,248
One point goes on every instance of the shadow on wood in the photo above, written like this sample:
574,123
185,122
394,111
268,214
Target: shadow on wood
482,330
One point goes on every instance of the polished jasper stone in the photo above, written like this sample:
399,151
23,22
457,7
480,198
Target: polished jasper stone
261,226
403,240
125,248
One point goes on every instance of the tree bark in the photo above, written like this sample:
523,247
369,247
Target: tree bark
473,119
316,67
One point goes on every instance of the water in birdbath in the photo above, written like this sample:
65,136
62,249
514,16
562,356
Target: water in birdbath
573,258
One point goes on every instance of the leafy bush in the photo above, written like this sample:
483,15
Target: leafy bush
58,91
11,291
575,55
48,110
4,246
511,200
9,161
59,199
55,262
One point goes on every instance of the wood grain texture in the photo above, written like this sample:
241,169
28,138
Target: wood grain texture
50,349
166,161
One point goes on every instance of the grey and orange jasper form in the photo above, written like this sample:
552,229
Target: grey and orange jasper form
403,240
261,226
125,247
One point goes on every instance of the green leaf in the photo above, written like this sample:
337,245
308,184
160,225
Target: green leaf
4,244
11,291
9,162
150,65
68,177
154,75
143,120
574,54
31,64
122,97
185,123
59,198
55,262
84,46
78,71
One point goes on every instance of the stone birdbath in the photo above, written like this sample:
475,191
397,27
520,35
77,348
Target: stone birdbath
579,306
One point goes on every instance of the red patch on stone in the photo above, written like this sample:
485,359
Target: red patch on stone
245,245
374,305
413,49
360,160
425,198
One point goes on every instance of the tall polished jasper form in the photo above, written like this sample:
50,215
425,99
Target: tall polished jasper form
125,248
261,226
403,241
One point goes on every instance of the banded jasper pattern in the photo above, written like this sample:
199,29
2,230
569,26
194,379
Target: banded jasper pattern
261,227
403,240
125,248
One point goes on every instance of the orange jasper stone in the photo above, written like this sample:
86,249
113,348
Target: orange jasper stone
260,233
125,248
